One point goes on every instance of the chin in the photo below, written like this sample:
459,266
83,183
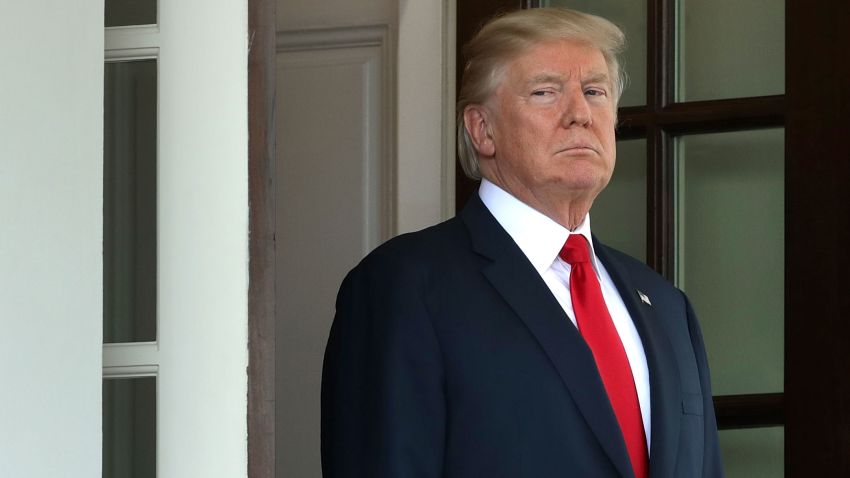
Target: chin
584,182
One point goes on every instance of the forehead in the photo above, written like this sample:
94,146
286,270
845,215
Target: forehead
565,58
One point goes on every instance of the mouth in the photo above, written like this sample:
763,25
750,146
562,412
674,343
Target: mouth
578,149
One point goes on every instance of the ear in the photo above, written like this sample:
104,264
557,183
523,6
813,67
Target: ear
476,121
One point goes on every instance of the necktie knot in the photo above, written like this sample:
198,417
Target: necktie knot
575,250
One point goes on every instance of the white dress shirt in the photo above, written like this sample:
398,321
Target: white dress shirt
541,239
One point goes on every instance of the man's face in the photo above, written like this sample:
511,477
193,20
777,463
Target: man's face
551,125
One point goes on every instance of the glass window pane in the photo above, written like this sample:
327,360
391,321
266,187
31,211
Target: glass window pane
618,215
730,237
129,202
753,453
129,427
130,12
730,49
630,16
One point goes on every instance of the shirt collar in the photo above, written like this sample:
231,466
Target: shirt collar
539,237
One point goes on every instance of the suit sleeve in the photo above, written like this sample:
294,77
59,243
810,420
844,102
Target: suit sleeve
383,403
712,463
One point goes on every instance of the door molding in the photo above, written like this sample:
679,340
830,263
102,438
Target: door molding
332,38
262,15
370,47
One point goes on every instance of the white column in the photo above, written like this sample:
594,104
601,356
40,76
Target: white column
203,239
51,143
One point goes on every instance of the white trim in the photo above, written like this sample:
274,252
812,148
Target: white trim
131,371
332,38
124,38
374,36
132,54
130,354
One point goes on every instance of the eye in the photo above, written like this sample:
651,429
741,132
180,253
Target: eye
541,93
595,92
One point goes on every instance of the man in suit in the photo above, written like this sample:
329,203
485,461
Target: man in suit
508,341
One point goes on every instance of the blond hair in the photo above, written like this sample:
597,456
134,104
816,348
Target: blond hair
508,36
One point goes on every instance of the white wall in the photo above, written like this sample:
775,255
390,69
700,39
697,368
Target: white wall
304,14
363,90
421,36
333,167
51,116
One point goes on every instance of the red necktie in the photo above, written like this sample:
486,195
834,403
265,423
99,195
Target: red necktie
595,325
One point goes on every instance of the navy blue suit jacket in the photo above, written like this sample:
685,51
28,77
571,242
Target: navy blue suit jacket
449,357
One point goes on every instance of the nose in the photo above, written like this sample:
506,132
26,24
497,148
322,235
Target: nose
576,109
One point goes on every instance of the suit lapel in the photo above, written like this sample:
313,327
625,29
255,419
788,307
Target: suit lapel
523,289
664,382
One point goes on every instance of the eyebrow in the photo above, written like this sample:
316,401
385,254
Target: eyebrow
596,78
546,78
593,77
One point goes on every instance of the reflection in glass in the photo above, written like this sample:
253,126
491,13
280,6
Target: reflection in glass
730,49
753,453
731,252
129,427
129,202
121,13
630,16
618,216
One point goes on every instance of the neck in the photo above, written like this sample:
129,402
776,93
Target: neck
567,208
568,214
